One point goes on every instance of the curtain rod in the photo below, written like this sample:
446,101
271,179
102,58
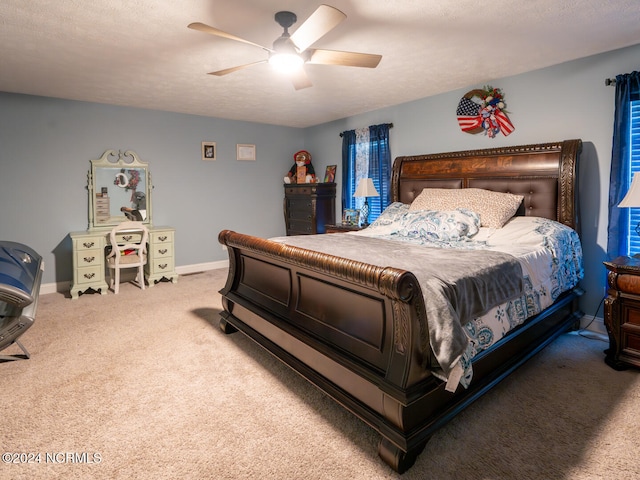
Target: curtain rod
390,125
610,82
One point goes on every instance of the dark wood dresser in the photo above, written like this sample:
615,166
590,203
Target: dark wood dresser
308,207
622,312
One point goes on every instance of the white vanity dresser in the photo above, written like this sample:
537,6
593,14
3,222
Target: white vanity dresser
118,180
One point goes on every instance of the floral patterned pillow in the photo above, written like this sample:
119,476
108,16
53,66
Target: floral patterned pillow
445,226
494,208
391,214
386,223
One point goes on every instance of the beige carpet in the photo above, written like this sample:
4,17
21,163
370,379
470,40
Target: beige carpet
143,385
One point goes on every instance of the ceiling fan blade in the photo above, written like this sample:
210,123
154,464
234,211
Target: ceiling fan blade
321,22
300,79
219,33
349,59
226,71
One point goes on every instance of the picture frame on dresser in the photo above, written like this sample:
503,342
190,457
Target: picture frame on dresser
330,174
350,216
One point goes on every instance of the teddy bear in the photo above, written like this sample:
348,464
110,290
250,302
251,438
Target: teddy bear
302,170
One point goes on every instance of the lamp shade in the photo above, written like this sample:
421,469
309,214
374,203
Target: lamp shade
366,188
632,198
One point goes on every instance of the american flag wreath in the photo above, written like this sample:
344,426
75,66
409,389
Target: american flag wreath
483,110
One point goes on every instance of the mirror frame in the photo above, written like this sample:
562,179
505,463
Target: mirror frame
116,159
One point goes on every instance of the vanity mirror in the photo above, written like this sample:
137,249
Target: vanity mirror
119,189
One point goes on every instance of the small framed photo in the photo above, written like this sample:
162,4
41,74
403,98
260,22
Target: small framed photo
330,174
245,151
350,217
208,150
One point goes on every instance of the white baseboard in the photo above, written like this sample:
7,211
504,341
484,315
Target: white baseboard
54,287
593,324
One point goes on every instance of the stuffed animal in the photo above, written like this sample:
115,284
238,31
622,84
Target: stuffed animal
302,171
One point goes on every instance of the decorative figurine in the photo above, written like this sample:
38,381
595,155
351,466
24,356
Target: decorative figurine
302,170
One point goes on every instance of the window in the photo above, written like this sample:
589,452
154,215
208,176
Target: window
366,154
633,216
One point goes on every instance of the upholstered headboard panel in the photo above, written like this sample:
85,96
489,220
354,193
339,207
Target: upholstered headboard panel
545,174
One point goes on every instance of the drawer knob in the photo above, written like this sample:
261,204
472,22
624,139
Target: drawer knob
89,259
88,244
162,238
163,251
127,237
163,266
89,276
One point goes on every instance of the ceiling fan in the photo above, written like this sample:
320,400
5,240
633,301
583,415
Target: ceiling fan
291,51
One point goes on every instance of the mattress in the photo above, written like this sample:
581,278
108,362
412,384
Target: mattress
547,256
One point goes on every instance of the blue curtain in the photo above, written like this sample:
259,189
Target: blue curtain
379,168
627,86
348,159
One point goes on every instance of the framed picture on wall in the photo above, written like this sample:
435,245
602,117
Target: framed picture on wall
208,150
245,151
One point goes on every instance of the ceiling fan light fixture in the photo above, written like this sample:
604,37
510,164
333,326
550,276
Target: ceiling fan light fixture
285,62
285,56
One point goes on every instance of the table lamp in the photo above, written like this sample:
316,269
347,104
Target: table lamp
632,198
365,189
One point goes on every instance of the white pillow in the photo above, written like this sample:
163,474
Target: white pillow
494,208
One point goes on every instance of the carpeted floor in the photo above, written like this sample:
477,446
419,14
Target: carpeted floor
143,385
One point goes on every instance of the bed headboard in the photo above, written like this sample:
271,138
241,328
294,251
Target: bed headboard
545,174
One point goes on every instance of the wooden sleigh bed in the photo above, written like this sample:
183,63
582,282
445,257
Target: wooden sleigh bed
299,304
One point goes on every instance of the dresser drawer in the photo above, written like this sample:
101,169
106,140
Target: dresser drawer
162,250
300,227
86,244
300,215
303,190
303,205
123,238
89,257
90,274
161,265
161,237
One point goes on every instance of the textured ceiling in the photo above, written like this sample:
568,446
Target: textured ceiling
140,53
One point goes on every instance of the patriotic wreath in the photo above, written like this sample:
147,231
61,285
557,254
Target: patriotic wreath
482,110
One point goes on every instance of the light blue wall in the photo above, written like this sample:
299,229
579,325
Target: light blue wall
46,145
556,103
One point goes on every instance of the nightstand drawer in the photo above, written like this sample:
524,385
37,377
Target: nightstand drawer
631,339
622,313
632,315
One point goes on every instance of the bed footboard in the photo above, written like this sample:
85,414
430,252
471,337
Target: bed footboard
356,331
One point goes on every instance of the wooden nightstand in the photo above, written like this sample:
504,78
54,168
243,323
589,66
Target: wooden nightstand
622,313
340,228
